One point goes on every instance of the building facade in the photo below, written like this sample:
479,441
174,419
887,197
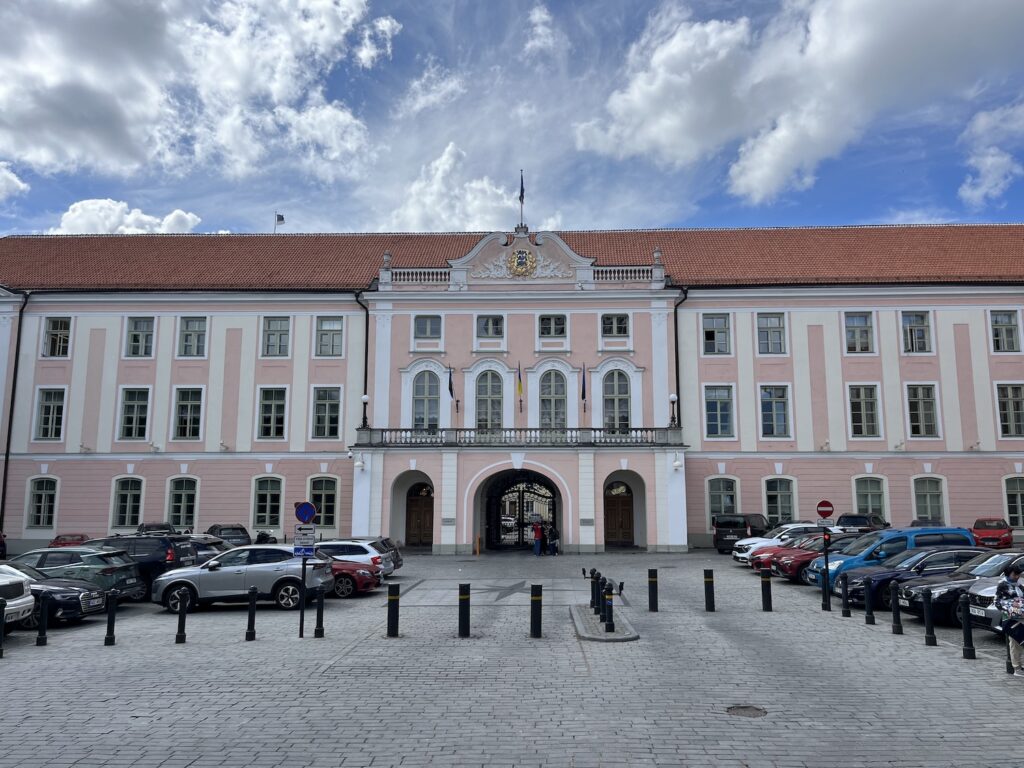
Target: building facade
450,389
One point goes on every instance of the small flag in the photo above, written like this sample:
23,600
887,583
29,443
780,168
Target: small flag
280,218
451,385
519,379
584,391
522,188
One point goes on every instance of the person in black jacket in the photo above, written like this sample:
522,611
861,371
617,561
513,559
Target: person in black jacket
1010,600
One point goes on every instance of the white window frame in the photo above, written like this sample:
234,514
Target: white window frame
312,412
179,328
261,330
167,497
874,332
764,498
1006,504
56,502
337,501
790,437
113,502
849,411
252,500
125,331
945,496
531,383
431,344
283,440
508,392
786,341
595,391
730,318
314,352
938,410
495,343
43,339
120,415
35,416
704,411
991,340
707,495
887,512
446,405
931,332
995,406
613,343
173,418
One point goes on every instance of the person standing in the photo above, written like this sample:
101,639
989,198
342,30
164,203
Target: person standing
537,533
552,540
1010,600
543,538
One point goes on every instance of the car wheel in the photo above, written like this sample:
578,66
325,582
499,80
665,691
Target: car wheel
31,621
287,596
883,595
344,586
956,617
174,593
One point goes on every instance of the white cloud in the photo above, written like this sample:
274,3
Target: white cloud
443,199
434,88
989,135
376,41
10,184
112,217
331,142
543,37
799,89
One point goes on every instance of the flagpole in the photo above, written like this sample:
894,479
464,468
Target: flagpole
522,194
275,222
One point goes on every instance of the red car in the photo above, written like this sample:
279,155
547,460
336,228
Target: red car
68,540
762,558
992,532
792,562
351,578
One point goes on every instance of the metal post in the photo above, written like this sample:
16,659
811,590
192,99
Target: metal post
929,620
766,590
536,604
894,599
869,605
44,617
609,620
3,621
593,588
602,605
965,612
826,583
109,638
463,610
393,610
250,629
598,591
845,587
652,590
302,600
183,601
318,631
709,590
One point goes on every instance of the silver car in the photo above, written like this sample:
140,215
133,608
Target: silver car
981,596
271,568
358,552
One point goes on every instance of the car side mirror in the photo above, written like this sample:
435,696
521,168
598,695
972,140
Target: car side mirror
879,554
212,565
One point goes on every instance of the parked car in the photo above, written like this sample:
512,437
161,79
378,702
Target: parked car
383,544
16,590
107,568
156,528
861,523
154,553
272,568
3,546
358,552
792,563
726,530
993,532
873,548
946,589
762,558
909,564
786,532
232,533
351,578
981,597
70,599
68,540
207,546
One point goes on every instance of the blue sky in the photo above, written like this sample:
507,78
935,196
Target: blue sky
357,115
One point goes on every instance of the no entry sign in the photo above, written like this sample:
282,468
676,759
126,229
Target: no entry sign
825,508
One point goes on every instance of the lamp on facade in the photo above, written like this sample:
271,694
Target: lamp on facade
349,454
359,463
676,464
674,421
366,423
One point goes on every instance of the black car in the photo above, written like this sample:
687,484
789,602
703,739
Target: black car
947,588
3,546
728,529
156,528
911,564
154,553
861,523
70,599
207,547
233,533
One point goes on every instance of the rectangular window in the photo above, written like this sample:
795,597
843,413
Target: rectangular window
323,493
490,327
721,496
272,413
43,503
268,502
188,411
326,412
716,334
57,338
921,410
1005,334
718,409
870,496
50,418
275,336
775,411
1015,501
140,337
860,335
134,414
771,334
864,410
181,506
928,499
427,327
917,335
1011,409
192,337
778,500
127,502
329,336
552,326
615,326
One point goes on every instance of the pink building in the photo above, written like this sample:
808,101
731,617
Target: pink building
449,389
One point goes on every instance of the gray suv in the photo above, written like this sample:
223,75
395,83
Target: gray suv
272,569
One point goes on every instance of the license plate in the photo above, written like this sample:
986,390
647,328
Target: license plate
904,602
731,538
976,611
131,581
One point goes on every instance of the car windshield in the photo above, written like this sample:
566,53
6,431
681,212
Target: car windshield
802,542
775,533
985,564
864,543
28,570
730,521
112,558
904,560
853,520
990,525
843,545
232,531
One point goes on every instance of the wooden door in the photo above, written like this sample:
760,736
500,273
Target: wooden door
419,521
618,520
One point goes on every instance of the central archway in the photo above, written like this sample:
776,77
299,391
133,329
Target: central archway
512,501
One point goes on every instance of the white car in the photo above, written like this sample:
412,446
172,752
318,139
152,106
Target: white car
358,552
16,591
744,548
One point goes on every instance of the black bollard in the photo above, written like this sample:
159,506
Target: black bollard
826,592
3,622
598,591
709,590
536,603
929,619
109,638
250,628
766,590
463,610
845,587
652,590
183,600
593,588
599,606
609,620
584,572
965,612
318,630
869,605
894,599
393,610
44,617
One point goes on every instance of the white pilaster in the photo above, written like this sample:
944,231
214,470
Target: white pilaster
449,503
586,494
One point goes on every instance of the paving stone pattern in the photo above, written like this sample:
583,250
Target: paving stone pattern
837,692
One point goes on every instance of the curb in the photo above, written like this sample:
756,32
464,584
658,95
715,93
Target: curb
589,628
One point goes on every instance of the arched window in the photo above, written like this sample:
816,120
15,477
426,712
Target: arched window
181,503
127,502
1015,501
323,494
43,502
552,401
928,499
778,497
488,400
870,496
267,504
616,401
721,496
426,400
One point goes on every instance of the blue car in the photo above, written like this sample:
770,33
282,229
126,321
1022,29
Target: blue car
873,548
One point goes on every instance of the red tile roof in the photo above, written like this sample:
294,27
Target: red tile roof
693,257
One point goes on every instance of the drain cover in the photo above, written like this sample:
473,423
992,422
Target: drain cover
746,710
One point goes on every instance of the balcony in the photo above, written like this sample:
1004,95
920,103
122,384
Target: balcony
521,438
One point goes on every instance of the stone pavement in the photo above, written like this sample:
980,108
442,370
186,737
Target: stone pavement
836,692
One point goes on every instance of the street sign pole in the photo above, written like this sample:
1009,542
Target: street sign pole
302,599
825,510
303,546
